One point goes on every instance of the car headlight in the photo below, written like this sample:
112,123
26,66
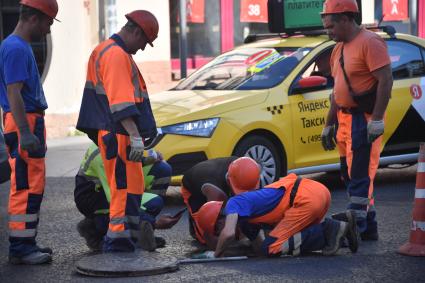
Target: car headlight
201,128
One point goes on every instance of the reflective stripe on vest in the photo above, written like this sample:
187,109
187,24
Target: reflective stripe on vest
99,88
138,92
82,172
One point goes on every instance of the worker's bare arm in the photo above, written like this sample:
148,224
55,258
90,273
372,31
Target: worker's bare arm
227,234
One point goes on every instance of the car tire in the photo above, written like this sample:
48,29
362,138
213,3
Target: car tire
265,153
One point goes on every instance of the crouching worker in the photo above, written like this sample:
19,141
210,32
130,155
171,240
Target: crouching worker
292,207
216,180
92,197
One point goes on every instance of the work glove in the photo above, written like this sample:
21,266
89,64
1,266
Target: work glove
204,255
28,141
152,157
137,147
328,141
374,130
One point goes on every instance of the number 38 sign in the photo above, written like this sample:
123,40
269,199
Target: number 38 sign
254,11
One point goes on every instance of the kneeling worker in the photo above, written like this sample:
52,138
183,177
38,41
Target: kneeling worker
293,207
92,197
216,180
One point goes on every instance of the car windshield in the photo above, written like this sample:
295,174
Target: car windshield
248,68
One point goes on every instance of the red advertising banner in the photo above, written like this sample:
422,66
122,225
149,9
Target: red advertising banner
254,11
395,10
196,11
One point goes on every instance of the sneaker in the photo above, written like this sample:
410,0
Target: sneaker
146,238
334,232
87,229
160,242
352,234
32,258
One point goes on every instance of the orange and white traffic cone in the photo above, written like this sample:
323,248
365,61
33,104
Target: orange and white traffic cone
416,244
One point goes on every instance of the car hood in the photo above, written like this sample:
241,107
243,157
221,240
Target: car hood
171,107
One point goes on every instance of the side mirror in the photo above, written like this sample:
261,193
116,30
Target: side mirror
312,83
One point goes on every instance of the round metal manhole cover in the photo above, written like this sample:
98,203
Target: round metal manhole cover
139,263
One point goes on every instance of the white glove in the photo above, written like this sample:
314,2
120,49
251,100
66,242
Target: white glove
204,255
151,158
374,130
328,142
137,148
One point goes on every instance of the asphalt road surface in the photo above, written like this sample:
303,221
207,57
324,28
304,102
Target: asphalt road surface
375,261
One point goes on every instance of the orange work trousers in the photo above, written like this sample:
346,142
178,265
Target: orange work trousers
359,163
126,182
27,181
310,205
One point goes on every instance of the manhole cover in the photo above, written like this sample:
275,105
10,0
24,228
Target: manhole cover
139,263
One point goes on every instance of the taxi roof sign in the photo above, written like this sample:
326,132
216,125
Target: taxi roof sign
291,16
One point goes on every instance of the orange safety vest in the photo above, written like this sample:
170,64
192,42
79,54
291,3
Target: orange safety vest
273,217
114,90
199,232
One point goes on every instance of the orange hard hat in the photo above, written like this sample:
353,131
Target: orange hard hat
340,6
208,215
147,22
48,7
243,175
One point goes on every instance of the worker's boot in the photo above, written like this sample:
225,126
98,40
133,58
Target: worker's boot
146,237
352,234
36,257
87,229
334,233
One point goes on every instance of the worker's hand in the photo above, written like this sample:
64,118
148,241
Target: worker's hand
137,148
328,134
28,140
374,130
166,221
204,255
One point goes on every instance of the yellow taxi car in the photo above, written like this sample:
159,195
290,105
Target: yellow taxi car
269,99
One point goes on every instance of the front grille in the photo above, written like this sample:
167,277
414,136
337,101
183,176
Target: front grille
183,162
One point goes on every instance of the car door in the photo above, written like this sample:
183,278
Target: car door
309,109
405,118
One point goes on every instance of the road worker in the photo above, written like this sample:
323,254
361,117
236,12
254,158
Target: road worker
92,196
23,102
293,208
361,68
216,180
116,114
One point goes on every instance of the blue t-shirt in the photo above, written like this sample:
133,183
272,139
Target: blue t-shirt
253,204
17,64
